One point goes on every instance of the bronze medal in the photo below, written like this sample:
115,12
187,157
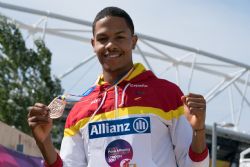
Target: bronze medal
56,108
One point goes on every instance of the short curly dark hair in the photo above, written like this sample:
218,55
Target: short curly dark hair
113,11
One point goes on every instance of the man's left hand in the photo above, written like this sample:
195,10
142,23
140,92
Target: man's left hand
195,110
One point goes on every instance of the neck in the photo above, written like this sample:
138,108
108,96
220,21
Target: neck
113,77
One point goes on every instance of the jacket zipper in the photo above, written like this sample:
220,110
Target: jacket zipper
116,101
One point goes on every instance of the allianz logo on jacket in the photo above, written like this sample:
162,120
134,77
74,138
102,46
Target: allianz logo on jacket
135,125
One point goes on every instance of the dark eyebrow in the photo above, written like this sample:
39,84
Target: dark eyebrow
120,32
117,33
100,35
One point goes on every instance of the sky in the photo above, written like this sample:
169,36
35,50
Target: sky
221,27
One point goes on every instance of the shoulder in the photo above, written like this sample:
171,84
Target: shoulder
80,109
168,91
166,86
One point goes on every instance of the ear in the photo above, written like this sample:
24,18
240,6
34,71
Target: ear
134,41
93,43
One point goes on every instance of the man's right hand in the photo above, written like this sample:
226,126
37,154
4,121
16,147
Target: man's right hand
41,125
39,121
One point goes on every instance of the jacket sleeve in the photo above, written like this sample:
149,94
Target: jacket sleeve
181,135
73,152
57,163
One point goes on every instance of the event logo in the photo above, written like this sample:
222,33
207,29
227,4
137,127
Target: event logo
119,153
136,125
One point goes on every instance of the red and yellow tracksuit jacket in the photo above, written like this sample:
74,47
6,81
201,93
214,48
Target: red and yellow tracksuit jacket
138,122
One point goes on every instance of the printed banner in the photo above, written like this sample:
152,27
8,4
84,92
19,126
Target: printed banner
11,158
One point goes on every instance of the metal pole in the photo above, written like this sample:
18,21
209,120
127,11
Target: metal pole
77,66
214,144
42,13
197,51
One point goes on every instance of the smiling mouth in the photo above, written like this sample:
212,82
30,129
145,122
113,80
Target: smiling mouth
112,55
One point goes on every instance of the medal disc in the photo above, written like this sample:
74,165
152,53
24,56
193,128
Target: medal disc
56,108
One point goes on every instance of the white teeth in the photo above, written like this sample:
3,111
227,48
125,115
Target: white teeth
112,55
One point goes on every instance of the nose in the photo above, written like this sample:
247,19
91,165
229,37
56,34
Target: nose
111,45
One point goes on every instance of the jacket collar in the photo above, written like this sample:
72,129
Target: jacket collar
130,76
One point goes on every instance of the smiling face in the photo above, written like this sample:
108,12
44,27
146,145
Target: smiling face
113,43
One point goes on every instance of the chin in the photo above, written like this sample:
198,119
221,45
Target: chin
112,68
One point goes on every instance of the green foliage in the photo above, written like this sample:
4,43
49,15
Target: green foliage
25,76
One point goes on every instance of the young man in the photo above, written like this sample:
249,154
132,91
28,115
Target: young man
130,118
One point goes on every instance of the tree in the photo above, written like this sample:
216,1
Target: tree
25,76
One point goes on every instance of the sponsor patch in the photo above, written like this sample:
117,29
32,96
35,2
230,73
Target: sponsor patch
119,153
136,125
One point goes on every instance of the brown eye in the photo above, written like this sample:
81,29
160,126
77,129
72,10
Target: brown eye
102,39
120,37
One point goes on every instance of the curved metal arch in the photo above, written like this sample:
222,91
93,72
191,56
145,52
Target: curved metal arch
151,48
